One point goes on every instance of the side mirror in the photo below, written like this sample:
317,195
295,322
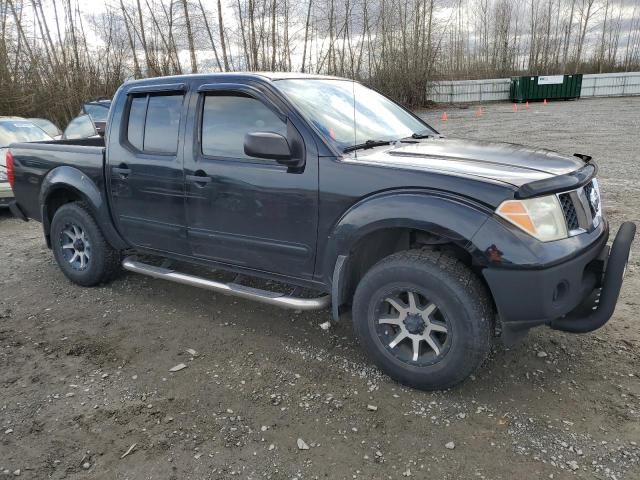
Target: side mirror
269,145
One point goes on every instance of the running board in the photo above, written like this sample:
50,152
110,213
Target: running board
250,293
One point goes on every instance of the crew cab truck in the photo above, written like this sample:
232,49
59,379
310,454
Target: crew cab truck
432,243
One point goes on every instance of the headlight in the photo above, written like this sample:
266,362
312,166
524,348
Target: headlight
540,217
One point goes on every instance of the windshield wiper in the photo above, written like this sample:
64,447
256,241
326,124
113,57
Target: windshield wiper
367,144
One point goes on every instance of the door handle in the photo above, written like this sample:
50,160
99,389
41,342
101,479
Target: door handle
199,180
121,170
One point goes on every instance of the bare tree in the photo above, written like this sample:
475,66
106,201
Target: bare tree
397,46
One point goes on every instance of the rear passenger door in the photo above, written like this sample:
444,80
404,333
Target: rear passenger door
145,173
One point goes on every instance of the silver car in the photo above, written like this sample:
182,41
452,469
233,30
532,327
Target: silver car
15,129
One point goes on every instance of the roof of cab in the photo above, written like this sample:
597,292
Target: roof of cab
269,76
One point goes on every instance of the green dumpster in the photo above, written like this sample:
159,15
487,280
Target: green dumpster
549,87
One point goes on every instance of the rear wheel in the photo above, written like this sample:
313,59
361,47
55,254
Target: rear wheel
79,247
424,318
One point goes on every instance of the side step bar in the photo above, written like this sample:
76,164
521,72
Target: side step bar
264,296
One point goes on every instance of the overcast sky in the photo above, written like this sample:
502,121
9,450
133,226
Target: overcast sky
445,10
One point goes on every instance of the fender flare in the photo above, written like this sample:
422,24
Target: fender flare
451,217
70,178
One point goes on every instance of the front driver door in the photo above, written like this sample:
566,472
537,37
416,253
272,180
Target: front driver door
245,211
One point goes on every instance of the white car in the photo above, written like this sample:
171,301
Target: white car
15,129
48,126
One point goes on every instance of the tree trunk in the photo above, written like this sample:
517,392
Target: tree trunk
222,42
192,47
206,25
136,66
585,22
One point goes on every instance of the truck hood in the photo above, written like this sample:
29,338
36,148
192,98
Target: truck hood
504,162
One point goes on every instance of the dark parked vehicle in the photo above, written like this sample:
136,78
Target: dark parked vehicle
98,111
434,244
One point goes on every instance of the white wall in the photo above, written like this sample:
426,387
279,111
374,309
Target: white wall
474,91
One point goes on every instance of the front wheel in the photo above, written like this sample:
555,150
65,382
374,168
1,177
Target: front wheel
79,247
424,318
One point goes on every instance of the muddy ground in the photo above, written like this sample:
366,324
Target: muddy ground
84,373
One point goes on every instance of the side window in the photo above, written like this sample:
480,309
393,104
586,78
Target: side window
154,122
226,119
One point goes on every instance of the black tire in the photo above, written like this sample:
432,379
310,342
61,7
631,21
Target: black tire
98,262
461,305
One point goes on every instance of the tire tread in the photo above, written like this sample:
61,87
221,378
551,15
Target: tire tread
111,257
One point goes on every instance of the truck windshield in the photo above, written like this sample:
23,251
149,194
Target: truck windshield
12,131
350,114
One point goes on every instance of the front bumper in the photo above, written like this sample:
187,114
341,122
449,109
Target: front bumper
6,195
578,295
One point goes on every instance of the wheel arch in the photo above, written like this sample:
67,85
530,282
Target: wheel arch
390,222
66,184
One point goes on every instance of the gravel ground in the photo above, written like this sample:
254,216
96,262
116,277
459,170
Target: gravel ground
85,373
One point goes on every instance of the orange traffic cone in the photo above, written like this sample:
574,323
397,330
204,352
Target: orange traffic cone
515,107
444,117
479,112
527,105
545,101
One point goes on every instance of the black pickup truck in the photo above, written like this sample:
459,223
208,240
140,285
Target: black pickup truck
435,245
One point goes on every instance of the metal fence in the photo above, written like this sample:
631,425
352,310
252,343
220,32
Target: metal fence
611,85
463,91
474,91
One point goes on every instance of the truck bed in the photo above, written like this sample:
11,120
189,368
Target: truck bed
34,161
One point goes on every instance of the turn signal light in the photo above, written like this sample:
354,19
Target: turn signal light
516,212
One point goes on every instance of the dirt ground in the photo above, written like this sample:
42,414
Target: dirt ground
84,373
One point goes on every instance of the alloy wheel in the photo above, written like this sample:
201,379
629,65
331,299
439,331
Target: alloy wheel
75,245
412,328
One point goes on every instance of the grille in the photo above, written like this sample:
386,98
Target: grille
569,211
